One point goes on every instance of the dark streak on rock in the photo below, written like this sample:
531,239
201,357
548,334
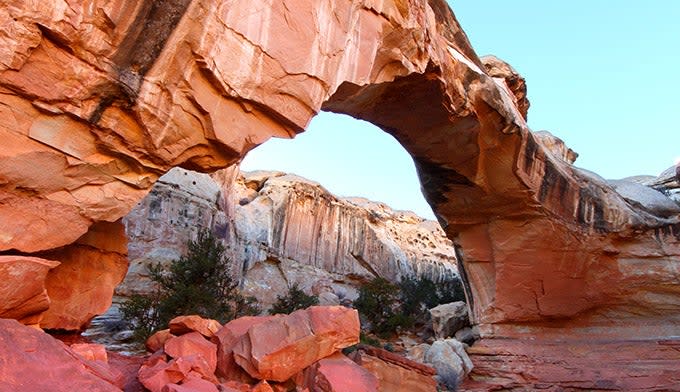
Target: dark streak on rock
460,263
587,203
530,152
436,180
140,48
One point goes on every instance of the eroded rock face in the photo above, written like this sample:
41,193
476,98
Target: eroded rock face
280,229
22,288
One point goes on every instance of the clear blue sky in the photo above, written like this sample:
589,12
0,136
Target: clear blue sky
602,75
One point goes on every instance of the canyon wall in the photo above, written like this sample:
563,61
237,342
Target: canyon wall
280,229
100,98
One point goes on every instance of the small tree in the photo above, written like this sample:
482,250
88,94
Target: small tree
378,302
294,300
197,283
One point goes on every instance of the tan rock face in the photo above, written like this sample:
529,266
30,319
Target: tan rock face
282,229
97,99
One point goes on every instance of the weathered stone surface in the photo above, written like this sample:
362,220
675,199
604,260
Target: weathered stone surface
191,385
226,338
185,324
82,286
262,220
277,349
555,146
156,341
395,373
91,352
22,288
194,345
574,364
447,319
33,361
337,373
506,74
450,360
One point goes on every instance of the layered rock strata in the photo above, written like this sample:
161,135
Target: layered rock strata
98,99
281,229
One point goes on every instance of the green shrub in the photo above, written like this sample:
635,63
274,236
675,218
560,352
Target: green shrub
197,283
419,295
294,300
378,302
389,307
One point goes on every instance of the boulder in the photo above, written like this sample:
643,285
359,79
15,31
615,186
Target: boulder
450,360
195,345
33,361
82,286
185,324
337,373
22,288
91,351
394,372
156,373
277,349
466,335
156,341
226,338
192,384
646,198
262,386
447,319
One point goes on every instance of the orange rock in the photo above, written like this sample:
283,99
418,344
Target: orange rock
338,373
156,341
81,287
91,351
194,345
262,386
33,361
226,338
277,349
394,372
156,373
23,287
185,324
235,386
191,385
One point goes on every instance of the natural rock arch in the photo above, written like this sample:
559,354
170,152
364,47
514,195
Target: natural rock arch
100,98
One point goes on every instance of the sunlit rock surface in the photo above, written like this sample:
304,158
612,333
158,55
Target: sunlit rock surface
281,229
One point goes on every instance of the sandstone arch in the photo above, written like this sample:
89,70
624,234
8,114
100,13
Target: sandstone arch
100,98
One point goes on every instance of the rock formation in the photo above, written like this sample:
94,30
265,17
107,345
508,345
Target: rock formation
299,351
98,99
280,230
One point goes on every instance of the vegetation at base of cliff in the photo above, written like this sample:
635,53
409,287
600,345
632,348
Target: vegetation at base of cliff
197,283
295,299
390,307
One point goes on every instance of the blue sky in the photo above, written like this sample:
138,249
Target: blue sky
602,75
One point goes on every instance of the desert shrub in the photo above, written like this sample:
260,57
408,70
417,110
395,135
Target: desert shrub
420,294
378,302
450,291
294,300
197,283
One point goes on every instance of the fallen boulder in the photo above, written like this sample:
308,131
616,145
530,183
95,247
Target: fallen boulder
281,347
33,361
